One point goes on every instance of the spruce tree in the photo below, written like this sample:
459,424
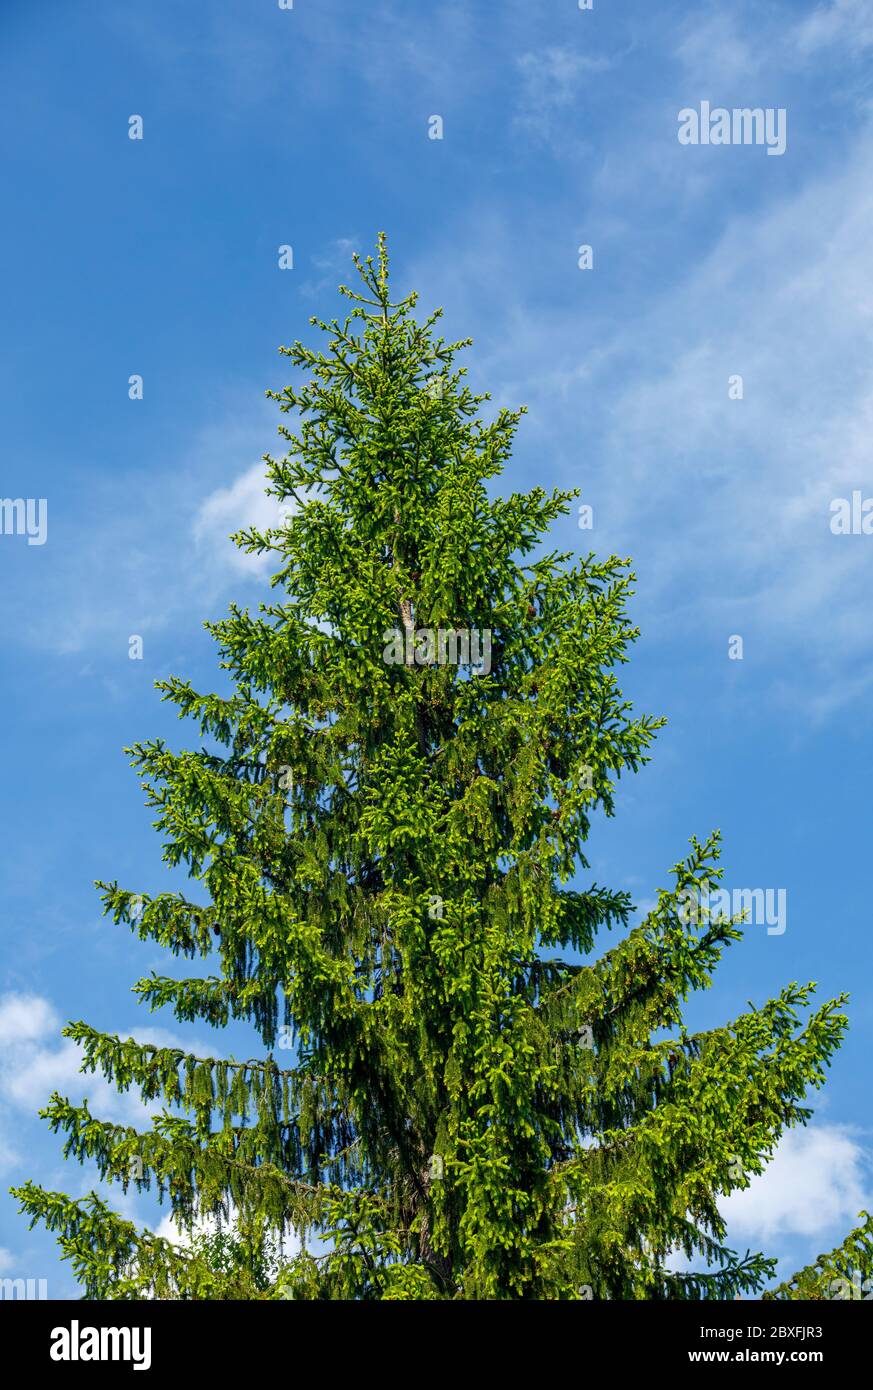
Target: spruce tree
461,1095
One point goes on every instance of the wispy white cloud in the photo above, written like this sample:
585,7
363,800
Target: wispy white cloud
715,49
242,504
35,1060
331,266
816,1184
113,569
742,506
724,504
553,80
842,22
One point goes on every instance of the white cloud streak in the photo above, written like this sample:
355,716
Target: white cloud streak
815,1185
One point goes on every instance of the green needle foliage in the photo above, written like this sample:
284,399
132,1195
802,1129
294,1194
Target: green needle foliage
383,843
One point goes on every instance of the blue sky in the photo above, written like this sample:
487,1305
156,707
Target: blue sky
309,127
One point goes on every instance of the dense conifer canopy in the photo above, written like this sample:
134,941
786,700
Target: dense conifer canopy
459,1088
